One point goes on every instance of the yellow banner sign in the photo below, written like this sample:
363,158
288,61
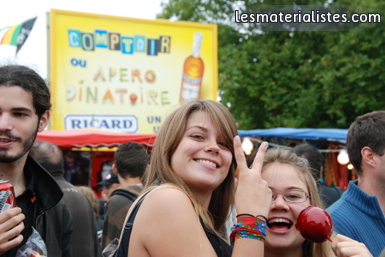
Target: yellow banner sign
127,74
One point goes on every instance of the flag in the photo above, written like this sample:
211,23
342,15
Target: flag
16,35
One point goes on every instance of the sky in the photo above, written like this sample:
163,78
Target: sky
16,11
34,51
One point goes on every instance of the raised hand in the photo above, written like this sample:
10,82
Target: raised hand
11,226
346,247
253,195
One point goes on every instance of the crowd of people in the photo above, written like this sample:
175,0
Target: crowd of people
178,200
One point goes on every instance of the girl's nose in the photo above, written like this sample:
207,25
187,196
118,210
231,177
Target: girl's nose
212,147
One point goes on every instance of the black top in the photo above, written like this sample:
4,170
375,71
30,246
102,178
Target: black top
26,201
221,248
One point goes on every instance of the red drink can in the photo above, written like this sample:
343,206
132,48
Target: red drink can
7,196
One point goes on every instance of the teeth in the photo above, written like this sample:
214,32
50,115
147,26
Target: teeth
208,163
279,220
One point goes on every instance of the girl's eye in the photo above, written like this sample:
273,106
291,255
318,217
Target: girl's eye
197,136
223,144
292,196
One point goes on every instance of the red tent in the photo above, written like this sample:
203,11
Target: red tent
93,138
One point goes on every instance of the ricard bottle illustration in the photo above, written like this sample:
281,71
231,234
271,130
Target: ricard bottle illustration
193,72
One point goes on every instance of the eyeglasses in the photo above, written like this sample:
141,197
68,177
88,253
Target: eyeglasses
293,196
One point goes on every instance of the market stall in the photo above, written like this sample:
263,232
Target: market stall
329,141
90,152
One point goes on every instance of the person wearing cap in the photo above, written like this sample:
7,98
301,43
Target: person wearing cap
109,184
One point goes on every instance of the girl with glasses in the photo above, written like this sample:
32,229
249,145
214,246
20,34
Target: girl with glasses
293,189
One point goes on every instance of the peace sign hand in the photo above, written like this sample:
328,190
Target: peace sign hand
253,195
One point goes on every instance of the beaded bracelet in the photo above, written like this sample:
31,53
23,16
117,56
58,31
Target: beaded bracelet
249,226
251,215
245,214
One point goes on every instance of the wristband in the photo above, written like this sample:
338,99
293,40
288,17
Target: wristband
249,227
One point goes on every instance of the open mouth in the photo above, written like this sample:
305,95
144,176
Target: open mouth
212,164
6,140
279,223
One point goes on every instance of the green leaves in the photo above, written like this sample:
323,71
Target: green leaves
315,79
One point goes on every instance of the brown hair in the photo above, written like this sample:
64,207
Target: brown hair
30,81
168,140
366,130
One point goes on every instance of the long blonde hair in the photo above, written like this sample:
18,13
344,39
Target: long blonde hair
168,140
301,165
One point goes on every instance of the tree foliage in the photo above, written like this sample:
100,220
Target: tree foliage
315,79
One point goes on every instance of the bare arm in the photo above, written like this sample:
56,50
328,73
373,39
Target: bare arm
253,196
167,225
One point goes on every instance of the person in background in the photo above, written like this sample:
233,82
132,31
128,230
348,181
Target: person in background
108,185
293,189
131,161
316,162
84,238
93,198
360,212
76,168
105,169
41,213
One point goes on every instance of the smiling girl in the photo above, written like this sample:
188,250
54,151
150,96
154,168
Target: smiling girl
190,187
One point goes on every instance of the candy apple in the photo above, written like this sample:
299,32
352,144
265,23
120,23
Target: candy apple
315,224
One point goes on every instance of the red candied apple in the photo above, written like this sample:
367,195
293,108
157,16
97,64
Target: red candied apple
315,224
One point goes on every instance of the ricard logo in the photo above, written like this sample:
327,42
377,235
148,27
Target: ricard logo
122,123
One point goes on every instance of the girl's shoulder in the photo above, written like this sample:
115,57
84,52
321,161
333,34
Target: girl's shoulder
167,215
168,203
167,195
